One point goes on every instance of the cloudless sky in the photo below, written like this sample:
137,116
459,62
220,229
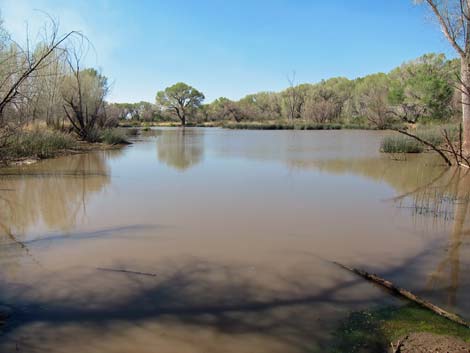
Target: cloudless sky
233,48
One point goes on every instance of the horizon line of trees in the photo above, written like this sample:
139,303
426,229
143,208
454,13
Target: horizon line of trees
418,90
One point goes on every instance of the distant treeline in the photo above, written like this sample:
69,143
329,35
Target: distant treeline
420,90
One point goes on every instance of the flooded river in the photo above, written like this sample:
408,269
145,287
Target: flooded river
212,240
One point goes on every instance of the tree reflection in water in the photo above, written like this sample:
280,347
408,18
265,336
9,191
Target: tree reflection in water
53,193
428,191
180,148
445,198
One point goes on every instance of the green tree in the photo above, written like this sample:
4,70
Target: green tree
180,99
422,88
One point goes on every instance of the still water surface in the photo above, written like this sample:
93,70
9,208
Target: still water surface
210,240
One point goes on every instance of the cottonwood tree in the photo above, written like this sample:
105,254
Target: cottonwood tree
180,99
422,88
454,20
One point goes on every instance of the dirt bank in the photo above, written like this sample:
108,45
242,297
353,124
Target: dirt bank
425,342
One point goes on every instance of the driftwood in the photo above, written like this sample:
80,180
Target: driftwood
406,294
396,349
127,271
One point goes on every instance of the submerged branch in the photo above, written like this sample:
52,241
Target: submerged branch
127,271
406,294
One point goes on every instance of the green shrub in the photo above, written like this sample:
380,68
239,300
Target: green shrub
400,144
114,137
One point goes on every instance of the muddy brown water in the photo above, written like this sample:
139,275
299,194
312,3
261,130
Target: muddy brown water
211,240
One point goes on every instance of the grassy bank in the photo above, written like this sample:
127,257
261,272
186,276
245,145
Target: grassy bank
373,331
44,143
281,126
253,125
37,144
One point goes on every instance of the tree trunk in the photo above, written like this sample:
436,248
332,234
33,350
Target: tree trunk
183,120
465,77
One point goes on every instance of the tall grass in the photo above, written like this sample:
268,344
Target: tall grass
400,144
433,134
116,136
37,143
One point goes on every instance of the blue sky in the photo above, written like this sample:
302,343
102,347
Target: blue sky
233,48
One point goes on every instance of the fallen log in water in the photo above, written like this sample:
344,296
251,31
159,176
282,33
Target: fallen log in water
127,271
406,294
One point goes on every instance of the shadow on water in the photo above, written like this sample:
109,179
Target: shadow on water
445,198
428,191
298,312
180,148
115,232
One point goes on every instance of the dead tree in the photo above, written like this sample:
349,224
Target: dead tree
293,97
26,64
84,95
23,68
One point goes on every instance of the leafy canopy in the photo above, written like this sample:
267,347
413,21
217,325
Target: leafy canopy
180,95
